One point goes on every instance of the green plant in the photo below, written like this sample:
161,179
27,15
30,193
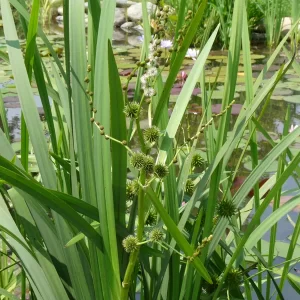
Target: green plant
80,229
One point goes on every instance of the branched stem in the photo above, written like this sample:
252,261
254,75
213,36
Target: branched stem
140,230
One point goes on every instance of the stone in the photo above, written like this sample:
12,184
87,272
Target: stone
118,35
59,19
139,28
60,10
286,25
134,12
128,25
124,3
119,16
134,40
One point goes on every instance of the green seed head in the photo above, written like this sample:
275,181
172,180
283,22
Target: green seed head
137,160
130,243
189,187
131,110
132,189
152,134
226,208
156,235
148,164
234,277
197,161
161,171
152,218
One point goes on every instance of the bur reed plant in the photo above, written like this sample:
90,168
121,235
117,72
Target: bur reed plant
81,229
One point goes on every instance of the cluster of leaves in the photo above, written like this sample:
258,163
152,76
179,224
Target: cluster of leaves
81,229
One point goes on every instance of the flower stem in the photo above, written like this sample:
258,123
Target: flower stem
140,230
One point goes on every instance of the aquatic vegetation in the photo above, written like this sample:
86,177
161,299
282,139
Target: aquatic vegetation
127,195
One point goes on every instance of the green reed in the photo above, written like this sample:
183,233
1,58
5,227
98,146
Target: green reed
82,228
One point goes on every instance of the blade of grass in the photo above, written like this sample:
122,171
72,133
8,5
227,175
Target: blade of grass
26,98
231,77
240,247
294,240
183,99
3,118
177,235
164,98
102,155
36,276
49,199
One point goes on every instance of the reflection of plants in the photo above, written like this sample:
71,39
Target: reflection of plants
13,125
116,236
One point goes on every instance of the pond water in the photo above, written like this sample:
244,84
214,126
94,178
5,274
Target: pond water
126,49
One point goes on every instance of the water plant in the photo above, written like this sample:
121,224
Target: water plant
86,228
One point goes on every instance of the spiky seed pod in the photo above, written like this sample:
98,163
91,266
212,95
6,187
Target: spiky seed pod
152,218
234,277
130,243
151,135
156,235
132,189
86,80
189,187
226,208
131,110
197,161
137,160
148,164
161,171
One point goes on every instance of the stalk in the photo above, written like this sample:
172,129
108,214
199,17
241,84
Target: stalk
140,230
141,218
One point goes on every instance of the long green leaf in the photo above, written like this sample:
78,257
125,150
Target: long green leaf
48,199
109,270
26,97
184,98
176,234
178,61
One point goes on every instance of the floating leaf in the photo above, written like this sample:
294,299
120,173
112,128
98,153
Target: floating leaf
272,168
282,92
128,65
235,109
292,99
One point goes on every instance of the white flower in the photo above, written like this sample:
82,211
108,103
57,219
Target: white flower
141,38
166,44
152,72
144,80
292,128
192,53
152,47
149,92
